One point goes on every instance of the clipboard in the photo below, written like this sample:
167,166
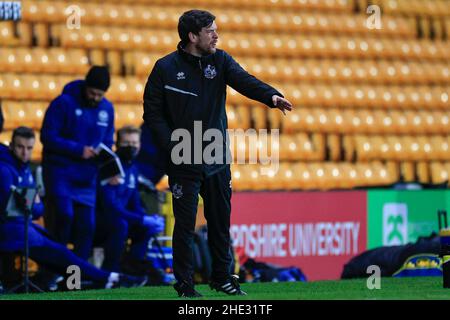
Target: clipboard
20,202
109,164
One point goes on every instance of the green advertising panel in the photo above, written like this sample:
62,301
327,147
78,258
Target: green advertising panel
399,217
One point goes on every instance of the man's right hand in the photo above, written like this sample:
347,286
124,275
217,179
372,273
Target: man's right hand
88,152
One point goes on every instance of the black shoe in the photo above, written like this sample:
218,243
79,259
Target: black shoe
230,286
126,281
186,290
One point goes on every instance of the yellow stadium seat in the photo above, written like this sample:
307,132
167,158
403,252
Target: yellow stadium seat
302,177
243,113
14,113
35,113
127,115
259,116
8,59
7,36
439,173
37,150
5,137
407,171
423,173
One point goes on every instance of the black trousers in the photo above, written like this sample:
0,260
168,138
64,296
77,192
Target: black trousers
216,193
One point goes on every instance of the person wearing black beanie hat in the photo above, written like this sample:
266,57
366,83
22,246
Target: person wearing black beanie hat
98,78
75,124
97,82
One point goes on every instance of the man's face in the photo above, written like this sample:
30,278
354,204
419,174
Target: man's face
94,96
130,140
22,148
206,40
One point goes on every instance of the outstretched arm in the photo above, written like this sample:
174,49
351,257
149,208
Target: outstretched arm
253,88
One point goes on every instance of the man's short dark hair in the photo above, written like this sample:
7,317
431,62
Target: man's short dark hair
23,132
127,130
193,21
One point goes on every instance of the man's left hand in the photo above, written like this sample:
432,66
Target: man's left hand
281,103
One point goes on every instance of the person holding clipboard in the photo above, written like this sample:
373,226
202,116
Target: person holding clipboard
75,124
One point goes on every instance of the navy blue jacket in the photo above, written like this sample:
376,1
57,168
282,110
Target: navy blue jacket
70,125
183,88
151,160
14,173
121,201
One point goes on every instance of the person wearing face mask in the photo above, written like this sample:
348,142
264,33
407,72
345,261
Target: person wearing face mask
120,214
75,123
15,171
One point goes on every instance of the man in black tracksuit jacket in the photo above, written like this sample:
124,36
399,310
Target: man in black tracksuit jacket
184,87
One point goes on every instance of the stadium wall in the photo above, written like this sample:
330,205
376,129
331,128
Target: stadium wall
320,231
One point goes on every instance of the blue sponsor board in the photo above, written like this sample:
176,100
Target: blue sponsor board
10,10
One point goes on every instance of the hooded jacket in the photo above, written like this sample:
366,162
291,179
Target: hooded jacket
121,201
70,125
183,88
15,173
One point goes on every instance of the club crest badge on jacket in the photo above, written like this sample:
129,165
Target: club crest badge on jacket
210,72
177,191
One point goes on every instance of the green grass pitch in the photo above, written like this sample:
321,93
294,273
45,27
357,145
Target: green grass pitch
391,288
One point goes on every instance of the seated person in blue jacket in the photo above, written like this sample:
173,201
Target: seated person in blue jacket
120,214
15,171
151,162
75,123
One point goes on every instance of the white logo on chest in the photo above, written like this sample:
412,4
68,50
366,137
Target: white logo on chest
181,76
103,118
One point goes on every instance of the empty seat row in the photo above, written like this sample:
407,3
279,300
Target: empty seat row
360,71
161,17
362,96
251,146
76,61
51,60
47,87
402,148
367,121
257,44
434,8
131,89
310,176
328,5
321,70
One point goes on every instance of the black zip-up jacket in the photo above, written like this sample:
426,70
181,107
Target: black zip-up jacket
183,88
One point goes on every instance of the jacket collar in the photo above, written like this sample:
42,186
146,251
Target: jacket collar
191,58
